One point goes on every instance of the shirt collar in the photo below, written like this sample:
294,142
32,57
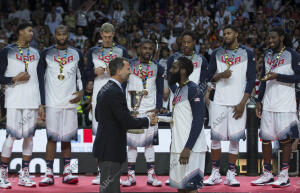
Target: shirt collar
117,82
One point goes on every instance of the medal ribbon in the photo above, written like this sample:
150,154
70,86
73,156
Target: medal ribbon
144,78
62,61
110,52
26,62
229,63
277,59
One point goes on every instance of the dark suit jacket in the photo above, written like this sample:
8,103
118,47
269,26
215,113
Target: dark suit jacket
114,119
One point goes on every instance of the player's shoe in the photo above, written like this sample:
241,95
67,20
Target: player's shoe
152,179
282,181
25,180
4,182
265,179
96,181
214,178
48,179
68,178
130,181
230,179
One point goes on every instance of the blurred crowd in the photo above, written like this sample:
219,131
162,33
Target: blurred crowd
162,21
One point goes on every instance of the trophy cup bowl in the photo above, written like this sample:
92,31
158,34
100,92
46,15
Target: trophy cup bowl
136,99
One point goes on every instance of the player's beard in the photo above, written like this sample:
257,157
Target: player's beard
276,47
62,44
228,44
174,78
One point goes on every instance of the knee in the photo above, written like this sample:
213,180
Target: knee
285,142
215,144
27,146
7,146
149,154
233,147
266,142
132,154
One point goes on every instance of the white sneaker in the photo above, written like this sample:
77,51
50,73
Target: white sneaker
130,181
25,180
230,179
265,179
167,182
214,178
152,179
48,179
283,180
96,181
4,183
68,178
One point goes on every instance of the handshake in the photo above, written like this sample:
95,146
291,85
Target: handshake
153,119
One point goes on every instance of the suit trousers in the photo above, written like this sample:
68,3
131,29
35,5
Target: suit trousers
110,176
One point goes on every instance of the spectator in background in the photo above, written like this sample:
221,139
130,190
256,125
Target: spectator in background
70,19
53,20
23,13
223,17
79,38
119,12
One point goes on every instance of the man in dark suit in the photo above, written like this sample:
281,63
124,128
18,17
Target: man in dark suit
114,119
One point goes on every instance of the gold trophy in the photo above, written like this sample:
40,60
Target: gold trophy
136,99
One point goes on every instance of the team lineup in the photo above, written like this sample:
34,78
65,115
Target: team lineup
49,84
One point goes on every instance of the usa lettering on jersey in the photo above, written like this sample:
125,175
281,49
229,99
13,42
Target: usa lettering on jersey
106,58
22,58
233,60
137,73
67,60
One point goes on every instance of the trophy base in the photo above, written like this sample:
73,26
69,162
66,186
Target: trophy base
136,131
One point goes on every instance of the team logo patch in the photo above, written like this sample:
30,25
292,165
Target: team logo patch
197,99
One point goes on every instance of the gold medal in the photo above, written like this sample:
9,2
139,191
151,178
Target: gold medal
267,75
61,76
145,92
61,62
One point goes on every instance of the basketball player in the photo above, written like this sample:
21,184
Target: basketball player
18,72
146,76
61,69
276,105
233,68
199,74
188,146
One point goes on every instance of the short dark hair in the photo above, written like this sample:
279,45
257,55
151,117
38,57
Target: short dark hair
188,33
187,64
116,64
231,27
287,40
146,41
23,25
